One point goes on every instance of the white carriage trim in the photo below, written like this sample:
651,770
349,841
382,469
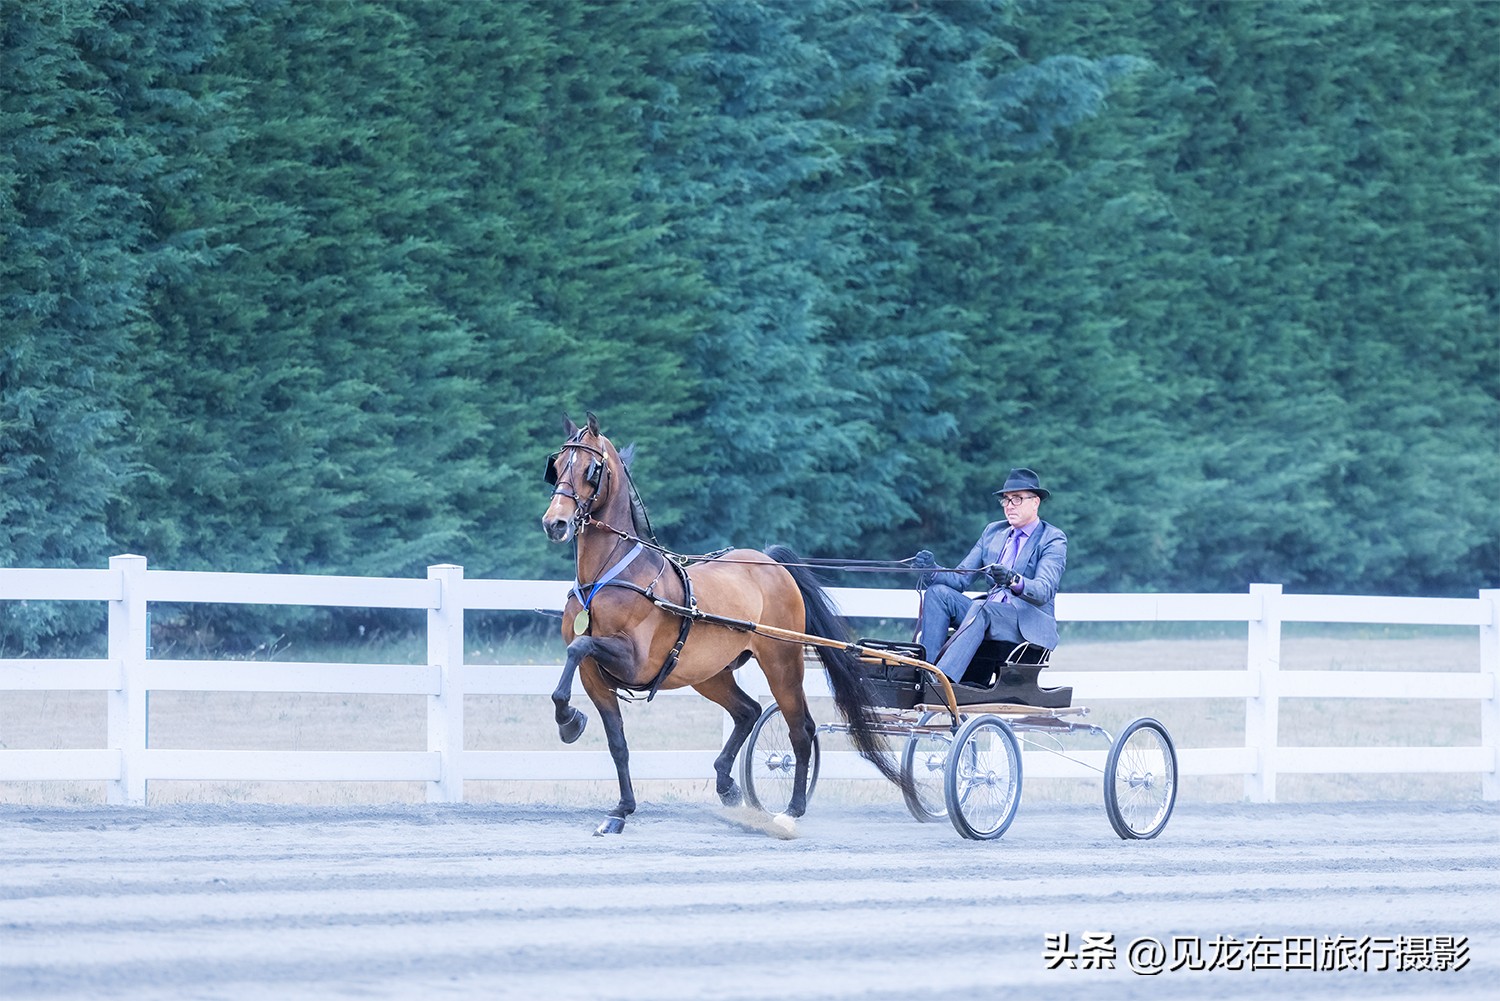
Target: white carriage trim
127,763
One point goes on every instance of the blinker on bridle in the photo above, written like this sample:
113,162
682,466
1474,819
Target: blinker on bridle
593,476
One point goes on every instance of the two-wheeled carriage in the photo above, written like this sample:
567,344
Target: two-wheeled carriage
963,758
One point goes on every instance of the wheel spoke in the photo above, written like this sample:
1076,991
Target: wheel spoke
983,782
924,761
1141,780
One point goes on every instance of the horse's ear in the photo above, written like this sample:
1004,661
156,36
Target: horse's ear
593,425
569,428
627,455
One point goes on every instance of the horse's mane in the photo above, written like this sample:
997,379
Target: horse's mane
640,521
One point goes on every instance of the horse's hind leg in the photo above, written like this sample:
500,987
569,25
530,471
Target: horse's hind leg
782,665
744,711
800,732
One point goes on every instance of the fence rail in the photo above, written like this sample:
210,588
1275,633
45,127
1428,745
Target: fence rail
128,763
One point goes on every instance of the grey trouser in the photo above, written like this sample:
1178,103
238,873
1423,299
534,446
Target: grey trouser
977,620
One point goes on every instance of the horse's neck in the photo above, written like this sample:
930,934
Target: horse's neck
599,548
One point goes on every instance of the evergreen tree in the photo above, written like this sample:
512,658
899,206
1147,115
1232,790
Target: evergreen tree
569,280
76,257
308,287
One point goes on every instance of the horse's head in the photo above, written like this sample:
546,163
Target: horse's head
582,474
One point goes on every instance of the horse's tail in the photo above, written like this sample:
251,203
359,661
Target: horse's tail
851,692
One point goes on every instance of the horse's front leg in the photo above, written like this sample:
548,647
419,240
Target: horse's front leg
570,721
618,655
614,733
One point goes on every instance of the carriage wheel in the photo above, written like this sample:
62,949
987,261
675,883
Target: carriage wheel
922,763
768,766
1140,780
982,780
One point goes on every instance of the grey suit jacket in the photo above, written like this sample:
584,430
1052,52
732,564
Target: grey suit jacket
1040,563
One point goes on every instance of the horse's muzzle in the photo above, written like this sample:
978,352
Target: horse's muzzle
558,529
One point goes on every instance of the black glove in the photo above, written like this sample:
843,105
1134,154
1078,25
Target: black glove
922,561
1003,575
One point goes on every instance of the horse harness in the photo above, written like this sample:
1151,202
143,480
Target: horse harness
596,475
688,611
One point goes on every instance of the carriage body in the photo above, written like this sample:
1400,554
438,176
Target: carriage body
1000,673
960,744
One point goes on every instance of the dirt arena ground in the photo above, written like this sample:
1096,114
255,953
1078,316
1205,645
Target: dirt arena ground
693,901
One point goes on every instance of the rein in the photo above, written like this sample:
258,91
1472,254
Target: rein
811,563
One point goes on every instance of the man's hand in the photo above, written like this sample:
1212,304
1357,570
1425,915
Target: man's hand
924,560
1004,576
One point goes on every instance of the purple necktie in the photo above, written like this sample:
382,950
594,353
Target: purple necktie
1012,550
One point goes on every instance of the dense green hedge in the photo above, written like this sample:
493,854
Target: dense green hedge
307,286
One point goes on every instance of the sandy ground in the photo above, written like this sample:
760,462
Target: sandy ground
693,901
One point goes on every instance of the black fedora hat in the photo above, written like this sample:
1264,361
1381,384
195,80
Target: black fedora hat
1023,479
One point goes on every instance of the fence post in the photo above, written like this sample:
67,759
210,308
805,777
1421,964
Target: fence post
1264,663
445,710
126,720
1489,709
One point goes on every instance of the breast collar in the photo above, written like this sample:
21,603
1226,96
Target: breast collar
607,579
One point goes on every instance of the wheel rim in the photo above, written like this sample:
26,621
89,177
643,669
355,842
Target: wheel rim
770,769
1144,780
924,762
983,779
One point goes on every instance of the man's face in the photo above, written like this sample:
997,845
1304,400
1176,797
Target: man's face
1020,507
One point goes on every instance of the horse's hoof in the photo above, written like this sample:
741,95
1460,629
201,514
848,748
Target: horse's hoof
731,796
784,825
573,728
611,825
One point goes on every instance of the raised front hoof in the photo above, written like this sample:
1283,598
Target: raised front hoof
611,825
572,728
731,796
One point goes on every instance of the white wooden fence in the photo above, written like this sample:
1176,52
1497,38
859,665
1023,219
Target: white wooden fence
128,762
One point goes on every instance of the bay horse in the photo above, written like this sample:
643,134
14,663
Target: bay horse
623,634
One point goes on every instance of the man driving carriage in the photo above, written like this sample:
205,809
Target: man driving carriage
1021,558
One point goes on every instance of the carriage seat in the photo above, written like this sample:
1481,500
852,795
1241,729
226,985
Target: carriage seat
1005,673
896,686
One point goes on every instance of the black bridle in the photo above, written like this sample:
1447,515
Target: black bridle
596,476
